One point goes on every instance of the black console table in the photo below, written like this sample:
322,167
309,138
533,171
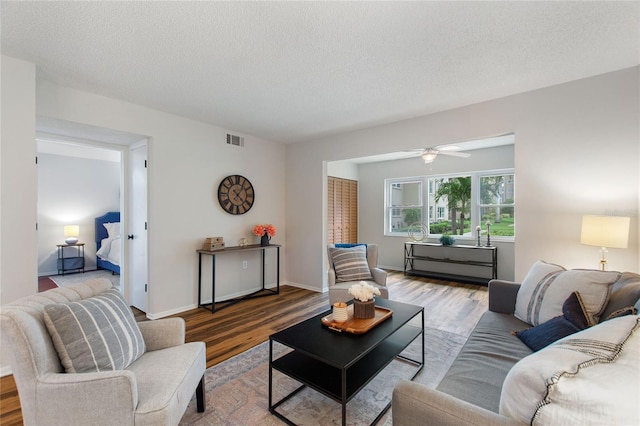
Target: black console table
472,264
260,293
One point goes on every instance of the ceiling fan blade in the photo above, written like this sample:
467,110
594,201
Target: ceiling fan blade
455,154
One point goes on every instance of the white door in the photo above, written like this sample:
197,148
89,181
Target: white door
137,237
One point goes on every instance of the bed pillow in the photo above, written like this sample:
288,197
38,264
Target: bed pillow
591,377
113,229
574,318
547,286
350,264
99,333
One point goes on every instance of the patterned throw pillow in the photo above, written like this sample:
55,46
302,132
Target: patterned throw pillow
574,319
547,286
350,264
95,334
591,377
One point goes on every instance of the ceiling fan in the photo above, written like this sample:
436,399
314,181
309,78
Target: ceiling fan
430,154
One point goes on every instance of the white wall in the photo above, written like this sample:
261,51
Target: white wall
371,198
343,170
73,191
187,160
576,153
18,255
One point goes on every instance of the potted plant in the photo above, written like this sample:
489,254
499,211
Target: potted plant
363,299
265,232
447,240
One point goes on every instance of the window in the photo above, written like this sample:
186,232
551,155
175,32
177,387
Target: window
456,204
404,204
452,198
497,204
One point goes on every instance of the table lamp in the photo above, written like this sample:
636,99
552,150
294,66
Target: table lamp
71,233
605,232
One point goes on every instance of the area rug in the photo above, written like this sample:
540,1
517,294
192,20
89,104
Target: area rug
65,280
237,390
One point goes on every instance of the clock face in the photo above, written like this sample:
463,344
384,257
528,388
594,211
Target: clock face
236,194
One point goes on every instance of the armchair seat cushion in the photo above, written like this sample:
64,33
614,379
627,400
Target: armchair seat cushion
166,379
340,291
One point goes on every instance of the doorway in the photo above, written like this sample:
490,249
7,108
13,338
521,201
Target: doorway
75,141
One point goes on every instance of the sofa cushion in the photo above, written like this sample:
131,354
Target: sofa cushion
624,293
547,286
350,264
573,319
166,380
478,371
95,334
591,377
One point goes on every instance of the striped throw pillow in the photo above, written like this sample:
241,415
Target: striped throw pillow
95,334
350,264
547,286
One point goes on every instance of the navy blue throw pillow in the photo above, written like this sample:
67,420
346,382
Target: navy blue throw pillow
348,245
574,319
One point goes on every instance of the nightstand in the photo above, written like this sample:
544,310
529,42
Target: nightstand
71,263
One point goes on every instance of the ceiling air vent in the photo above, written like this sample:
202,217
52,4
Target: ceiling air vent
235,140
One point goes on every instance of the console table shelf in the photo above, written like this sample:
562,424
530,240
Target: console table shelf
470,264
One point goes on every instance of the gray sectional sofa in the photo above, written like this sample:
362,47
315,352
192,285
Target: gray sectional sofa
472,389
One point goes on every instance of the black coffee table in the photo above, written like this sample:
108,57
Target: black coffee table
339,365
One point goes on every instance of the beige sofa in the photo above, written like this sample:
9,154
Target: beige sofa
472,390
153,390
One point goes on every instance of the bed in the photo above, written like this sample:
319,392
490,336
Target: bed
108,243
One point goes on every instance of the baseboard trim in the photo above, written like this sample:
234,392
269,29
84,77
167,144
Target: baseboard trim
391,268
307,287
208,301
5,370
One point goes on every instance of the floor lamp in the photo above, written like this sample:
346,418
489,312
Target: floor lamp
605,232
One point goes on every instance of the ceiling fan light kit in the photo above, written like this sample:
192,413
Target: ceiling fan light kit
430,154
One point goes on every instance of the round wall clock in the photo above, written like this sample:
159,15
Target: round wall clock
235,194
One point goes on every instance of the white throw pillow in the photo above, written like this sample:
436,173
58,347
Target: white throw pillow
113,229
547,286
589,378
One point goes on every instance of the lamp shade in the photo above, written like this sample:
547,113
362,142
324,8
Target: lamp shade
71,233
605,231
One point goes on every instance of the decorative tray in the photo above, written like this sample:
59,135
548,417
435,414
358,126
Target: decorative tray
357,325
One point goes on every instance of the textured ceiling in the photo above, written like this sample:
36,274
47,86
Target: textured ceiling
296,71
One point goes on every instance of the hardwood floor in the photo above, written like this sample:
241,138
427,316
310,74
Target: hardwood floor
243,325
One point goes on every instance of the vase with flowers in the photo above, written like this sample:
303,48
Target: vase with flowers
363,300
265,232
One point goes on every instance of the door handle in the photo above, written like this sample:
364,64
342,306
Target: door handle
130,237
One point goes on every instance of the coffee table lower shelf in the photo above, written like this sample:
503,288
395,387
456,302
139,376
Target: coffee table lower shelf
342,385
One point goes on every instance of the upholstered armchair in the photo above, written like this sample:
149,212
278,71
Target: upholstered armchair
155,388
350,265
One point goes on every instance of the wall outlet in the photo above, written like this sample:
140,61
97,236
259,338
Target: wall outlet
244,264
